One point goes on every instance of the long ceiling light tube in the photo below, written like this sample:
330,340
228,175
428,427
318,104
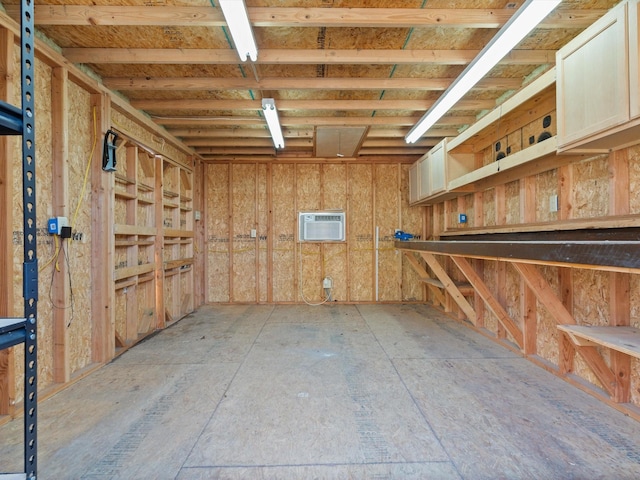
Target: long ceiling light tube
237,18
271,116
519,25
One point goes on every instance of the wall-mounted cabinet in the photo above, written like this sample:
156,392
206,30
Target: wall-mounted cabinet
516,139
598,90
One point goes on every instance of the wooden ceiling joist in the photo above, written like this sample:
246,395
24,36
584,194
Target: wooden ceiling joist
283,105
295,17
196,56
277,83
296,121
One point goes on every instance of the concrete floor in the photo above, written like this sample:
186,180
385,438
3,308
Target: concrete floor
330,392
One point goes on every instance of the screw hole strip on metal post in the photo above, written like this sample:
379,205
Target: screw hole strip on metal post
30,270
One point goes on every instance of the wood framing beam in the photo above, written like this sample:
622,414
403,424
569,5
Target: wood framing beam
490,300
60,290
296,17
284,105
231,120
449,286
102,245
424,275
297,83
546,296
201,56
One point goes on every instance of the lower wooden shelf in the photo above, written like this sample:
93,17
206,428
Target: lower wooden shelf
622,339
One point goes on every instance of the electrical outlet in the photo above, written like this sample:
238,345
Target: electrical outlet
327,282
553,203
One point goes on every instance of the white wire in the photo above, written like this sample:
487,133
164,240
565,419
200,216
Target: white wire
327,290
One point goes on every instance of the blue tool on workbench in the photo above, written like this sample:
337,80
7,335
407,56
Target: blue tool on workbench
400,235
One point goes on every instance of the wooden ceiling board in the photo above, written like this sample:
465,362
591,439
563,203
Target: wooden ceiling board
327,55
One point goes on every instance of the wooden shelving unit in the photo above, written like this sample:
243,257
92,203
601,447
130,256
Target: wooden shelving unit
177,224
135,245
153,243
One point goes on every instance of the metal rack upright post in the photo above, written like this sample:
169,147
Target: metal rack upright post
14,331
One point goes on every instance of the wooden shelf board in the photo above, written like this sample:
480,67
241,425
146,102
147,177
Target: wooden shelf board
496,171
622,339
126,272
123,194
124,179
534,89
465,288
145,187
173,264
146,201
171,232
617,221
123,229
172,205
170,194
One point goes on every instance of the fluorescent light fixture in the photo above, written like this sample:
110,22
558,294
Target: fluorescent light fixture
235,14
271,115
519,25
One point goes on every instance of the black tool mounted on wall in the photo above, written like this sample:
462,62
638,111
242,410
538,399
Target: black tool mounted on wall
109,151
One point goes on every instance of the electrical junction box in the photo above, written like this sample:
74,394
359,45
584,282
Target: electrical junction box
55,225
462,218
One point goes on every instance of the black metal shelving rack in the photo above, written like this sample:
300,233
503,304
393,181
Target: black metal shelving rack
14,331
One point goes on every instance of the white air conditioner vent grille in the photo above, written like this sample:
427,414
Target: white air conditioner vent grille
321,226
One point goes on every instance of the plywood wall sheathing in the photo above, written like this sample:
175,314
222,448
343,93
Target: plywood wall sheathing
217,232
591,188
243,247
361,232
386,220
285,273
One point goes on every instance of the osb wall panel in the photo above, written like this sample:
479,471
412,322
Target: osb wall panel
243,218
360,233
490,274
309,198
489,207
591,188
146,299
546,185
283,219
217,232
410,221
469,209
512,295
591,302
387,219
512,202
81,143
547,331
335,254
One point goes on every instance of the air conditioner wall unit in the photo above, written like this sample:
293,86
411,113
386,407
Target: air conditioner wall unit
324,226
